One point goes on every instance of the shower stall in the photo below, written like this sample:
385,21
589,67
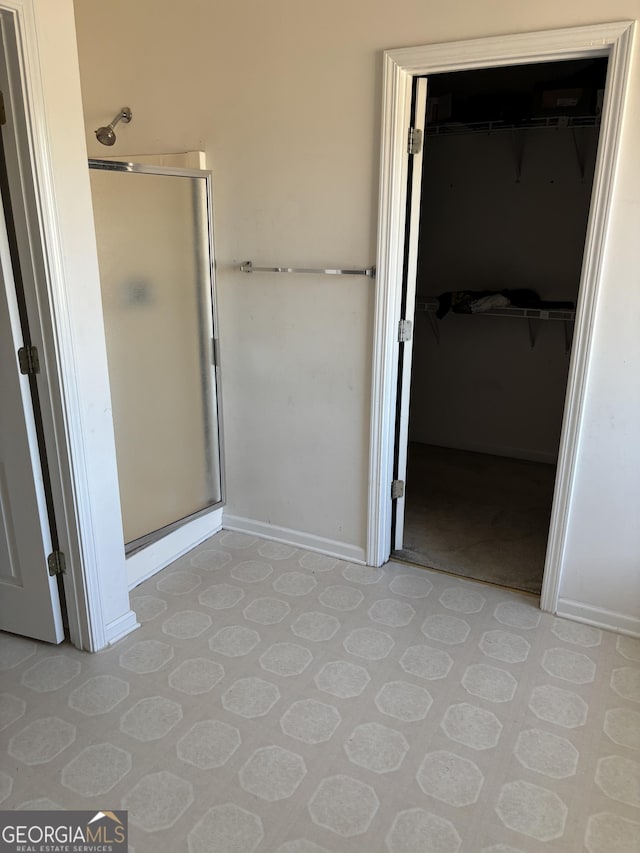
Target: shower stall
155,251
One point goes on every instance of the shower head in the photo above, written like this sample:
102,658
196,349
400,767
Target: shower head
106,135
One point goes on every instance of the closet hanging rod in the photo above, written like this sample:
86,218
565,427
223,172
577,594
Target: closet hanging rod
248,266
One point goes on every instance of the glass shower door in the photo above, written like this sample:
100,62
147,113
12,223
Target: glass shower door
154,237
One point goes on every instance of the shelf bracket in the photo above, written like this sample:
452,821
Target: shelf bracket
568,335
533,331
435,325
517,143
581,151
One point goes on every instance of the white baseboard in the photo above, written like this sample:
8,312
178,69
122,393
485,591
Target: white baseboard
599,617
120,627
155,557
498,450
341,550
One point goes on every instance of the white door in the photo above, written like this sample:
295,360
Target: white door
29,599
408,309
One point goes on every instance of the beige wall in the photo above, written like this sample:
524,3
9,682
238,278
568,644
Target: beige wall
285,98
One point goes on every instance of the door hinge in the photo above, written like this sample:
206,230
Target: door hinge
28,360
56,563
404,331
397,489
414,141
3,115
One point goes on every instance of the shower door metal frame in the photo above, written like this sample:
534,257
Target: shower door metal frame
211,392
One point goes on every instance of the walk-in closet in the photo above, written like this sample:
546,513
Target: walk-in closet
508,164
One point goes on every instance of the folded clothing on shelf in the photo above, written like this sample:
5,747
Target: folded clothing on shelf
477,301
487,303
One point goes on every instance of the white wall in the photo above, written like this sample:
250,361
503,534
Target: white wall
483,227
285,97
483,387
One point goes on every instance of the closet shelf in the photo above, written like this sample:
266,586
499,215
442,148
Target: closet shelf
456,128
517,129
430,306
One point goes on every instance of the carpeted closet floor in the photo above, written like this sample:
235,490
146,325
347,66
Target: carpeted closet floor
479,516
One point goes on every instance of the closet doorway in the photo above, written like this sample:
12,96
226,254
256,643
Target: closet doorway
504,183
402,67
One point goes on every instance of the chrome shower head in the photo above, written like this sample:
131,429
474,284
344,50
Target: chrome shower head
106,135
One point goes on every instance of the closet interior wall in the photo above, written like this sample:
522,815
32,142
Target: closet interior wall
500,210
504,208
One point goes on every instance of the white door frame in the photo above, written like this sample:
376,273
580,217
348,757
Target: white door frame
612,40
418,122
62,289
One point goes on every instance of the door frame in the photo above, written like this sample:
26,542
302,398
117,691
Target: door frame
62,291
408,301
611,40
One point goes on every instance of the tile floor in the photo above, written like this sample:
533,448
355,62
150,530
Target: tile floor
280,701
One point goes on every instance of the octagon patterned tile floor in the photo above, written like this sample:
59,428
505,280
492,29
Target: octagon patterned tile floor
281,701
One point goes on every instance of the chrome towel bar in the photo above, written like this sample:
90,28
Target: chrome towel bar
248,266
